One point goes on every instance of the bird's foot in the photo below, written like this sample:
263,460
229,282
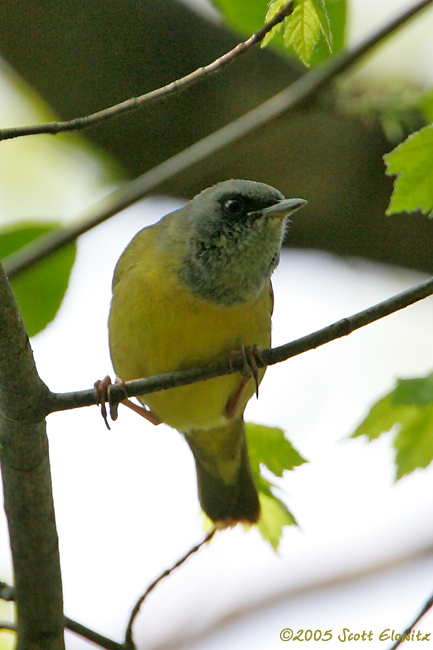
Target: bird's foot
250,370
103,394
102,388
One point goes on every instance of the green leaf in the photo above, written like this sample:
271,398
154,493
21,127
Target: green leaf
302,30
408,409
412,163
39,290
325,26
274,517
269,449
382,417
274,8
417,391
414,441
336,40
303,27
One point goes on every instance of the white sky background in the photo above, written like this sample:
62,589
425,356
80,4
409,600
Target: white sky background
126,499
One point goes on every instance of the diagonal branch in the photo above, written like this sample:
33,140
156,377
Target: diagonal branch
91,635
406,636
287,100
64,401
134,103
27,485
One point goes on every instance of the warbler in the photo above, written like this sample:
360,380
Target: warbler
192,289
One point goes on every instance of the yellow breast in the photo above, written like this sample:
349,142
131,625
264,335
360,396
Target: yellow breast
157,325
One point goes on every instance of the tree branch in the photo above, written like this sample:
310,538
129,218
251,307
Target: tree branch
287,100
134,103
428,605
27,485
92,636
129,643
7,592
343,327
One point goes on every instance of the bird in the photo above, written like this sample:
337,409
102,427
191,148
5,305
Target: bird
194,288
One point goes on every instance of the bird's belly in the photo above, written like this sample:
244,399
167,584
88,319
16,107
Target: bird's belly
195,407
157,334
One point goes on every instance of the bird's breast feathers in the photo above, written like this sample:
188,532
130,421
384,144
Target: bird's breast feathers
157,325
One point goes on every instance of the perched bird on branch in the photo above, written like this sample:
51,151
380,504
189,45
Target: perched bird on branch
192,289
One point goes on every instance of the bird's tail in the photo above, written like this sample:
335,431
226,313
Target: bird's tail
226,486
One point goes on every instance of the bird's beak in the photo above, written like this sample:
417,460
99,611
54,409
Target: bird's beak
283,208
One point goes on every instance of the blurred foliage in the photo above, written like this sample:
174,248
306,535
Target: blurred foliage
396,105
271,453
408,410
50,176
39,290
426,104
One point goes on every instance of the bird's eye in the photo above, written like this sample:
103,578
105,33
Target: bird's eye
234,206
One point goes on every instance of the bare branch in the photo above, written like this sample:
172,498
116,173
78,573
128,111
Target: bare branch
7,592
407,633
129,643
65,401
137,102
27,485
287,100
91,635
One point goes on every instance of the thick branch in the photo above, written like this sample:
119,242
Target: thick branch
286,100
80,123
27,485
65,401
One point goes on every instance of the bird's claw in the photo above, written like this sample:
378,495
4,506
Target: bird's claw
252,361
103,394
250,370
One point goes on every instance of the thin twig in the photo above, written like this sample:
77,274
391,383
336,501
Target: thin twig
281,103
406,633
92,636
157,94
343,327
7,592
129,643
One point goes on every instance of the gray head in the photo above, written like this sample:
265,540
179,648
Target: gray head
235,233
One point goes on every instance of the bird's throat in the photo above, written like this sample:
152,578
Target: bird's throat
231,271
